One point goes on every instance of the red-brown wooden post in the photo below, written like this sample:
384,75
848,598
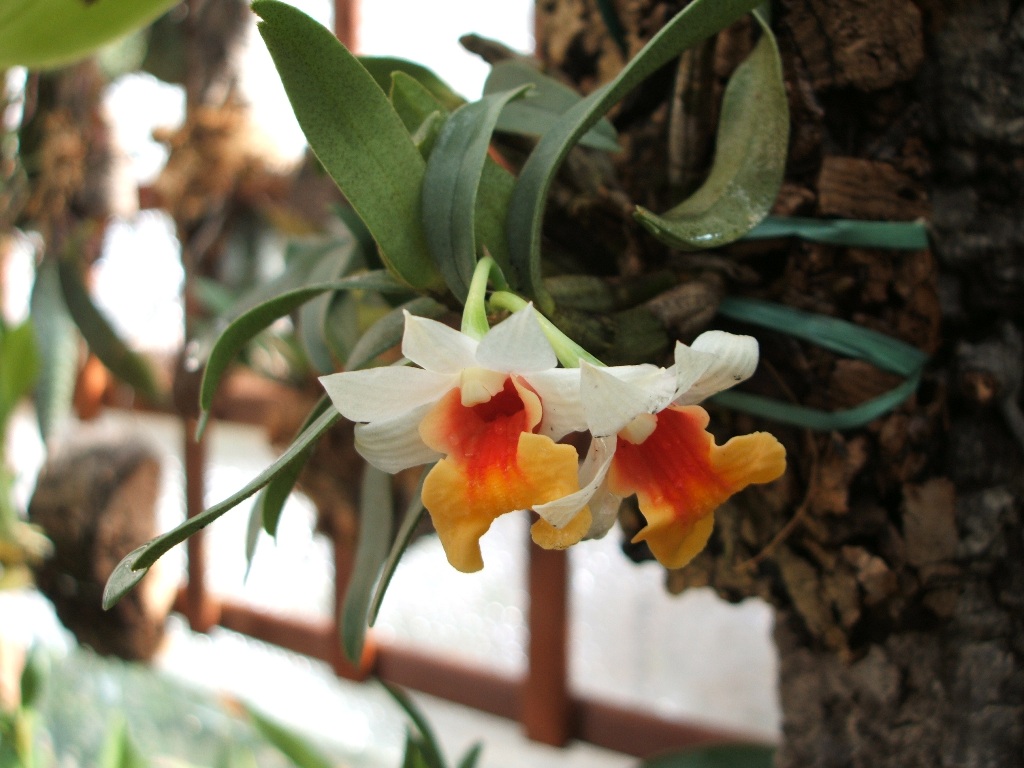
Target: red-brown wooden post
200,609
346,22
547,705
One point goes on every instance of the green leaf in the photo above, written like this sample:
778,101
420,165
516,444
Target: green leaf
50,33
749,162
727,756
429,743
410,522
413,102
313,315
132,568
34,676
901,235
118,750
470,759
19,366
548,101
247,325
356,135
697,21
127,365
57,340
295,747
376,515
383,69
387,331
880,350
450,187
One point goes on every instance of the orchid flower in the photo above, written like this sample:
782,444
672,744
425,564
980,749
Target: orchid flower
650,438
489,411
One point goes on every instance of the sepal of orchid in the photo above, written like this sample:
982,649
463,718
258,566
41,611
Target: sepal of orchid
613,397
716,361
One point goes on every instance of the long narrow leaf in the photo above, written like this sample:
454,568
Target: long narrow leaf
376,513
19,365
387,331
546,103
124,363
298,749
697,21
383,68
472,757
749,162
429,741
901,235
133,567
450,187
724,756
57,341
245,327
355,133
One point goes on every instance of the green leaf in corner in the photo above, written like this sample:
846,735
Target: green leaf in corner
355,133
51,33
132,568
726,756
376,513
298,749
548,100
450,187
126,364
697,21
749,163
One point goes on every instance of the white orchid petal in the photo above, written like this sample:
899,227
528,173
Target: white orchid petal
395,444
604,511
559,392
517,345
609,403
735,360
690,365
436,347
592,474
384,393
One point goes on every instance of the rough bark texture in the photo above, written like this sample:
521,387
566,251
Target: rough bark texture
893,553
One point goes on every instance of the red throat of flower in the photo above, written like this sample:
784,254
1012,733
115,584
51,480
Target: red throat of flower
681,477
494,463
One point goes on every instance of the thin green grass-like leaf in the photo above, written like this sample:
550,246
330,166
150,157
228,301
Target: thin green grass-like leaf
313,315
699,20
749,161
376,515
57,340
472,757
246,326
429,741
450,186
127,365
413,514
896,235
298,749
544,105
132,568
880,350
355,133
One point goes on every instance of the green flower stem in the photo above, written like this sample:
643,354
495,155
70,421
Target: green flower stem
569,353
474,316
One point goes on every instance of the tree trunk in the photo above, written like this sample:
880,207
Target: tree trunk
894,553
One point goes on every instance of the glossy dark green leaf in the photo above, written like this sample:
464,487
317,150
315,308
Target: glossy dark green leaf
428,740
880,350
132,568
410,522
51,33
387,331
376,516
126,364
450,187
297,748
547,102
749,162
697,21
355,133
901,235
383,68
725,756
57,341
247,325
